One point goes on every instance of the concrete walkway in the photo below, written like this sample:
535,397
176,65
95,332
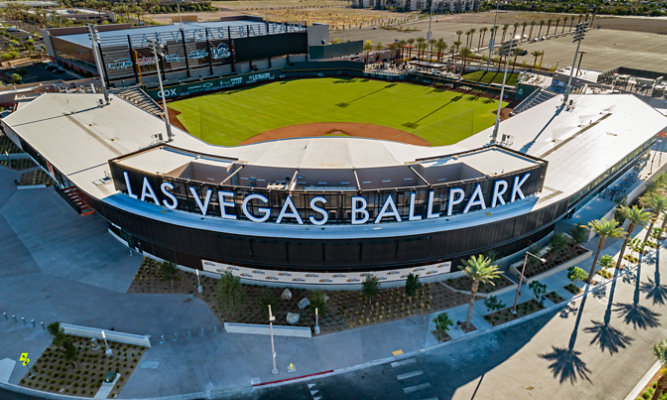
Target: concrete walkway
65,267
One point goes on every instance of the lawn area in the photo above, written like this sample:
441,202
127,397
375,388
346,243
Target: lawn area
439,116
492,76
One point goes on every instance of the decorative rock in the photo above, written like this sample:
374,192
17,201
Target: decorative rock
303,303
286,295
292,318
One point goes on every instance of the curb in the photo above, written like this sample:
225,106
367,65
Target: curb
637,390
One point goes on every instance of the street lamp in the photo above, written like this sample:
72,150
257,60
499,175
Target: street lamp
492,38
200,289
273,347
505,50
523,269
579,34
108,351
158,51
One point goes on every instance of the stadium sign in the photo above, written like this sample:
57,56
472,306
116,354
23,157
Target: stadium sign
257,208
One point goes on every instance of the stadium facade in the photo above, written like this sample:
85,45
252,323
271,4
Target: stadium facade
328,210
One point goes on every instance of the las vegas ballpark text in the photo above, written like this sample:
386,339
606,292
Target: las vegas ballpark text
359,215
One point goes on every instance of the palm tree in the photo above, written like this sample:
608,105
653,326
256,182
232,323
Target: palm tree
464,54
572,17
472,34
480,270
431,43
401,46
482,33
539,33
504,32
420,41
604,229
516,26
530,34
368,47
441,46
636,216
468,33
458,35
421,49
658,204
660,352
523,28
457,44
411,41
556,27
549,21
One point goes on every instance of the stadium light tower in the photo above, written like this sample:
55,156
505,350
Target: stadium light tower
505,50
158,51
429,34
492,38
579,34
95,39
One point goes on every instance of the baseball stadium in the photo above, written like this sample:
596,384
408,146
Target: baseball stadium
324,178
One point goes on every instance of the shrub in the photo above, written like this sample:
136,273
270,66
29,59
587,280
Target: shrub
606,261
575,273
371,287
228,292
266,298
442,322
493,304
318,300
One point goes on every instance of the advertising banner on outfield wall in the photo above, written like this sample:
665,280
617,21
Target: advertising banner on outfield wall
214,84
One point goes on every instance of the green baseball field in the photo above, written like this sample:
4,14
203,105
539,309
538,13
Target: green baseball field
437,116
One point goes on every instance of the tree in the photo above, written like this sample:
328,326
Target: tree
16,78
660,352
539,33
482,33
368,47
549,21
229,293
318,300
604,229
579,234
480,270
532,25
69,350
523,28
440,46
504,32
468,33
431,43
411,41
371,287
493,304
458,35
421,45
57,333
658,204
412,284
636,216
535,53
575,273
539,290
464,54
457,44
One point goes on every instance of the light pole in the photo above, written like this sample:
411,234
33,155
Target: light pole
579,34
505,50
317,321
492,39
108,351
523,269
158,51
200,289
95,38
273,347
429,34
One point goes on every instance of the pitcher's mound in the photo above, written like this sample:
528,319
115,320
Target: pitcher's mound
338,129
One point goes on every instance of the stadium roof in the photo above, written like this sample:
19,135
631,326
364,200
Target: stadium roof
78,136
171,32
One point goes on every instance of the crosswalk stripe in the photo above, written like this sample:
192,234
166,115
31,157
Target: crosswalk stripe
402,362
411,389
409,375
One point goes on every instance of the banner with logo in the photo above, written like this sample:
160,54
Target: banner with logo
214,84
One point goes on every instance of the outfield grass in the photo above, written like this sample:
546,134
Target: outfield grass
492,76
439,116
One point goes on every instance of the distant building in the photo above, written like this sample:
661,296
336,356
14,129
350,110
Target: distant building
439,6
